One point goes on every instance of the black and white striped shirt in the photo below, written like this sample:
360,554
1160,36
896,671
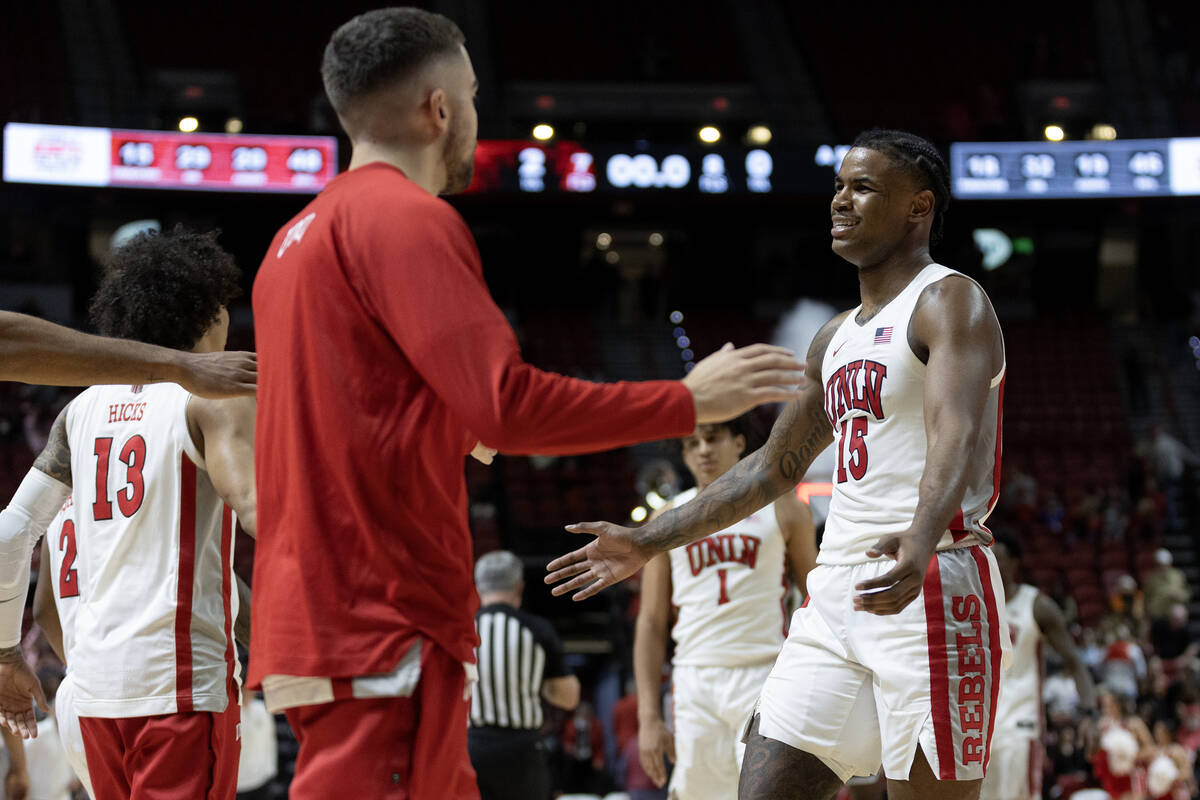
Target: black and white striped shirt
517,652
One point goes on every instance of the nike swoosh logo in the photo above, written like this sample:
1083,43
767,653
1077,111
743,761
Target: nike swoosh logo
839,347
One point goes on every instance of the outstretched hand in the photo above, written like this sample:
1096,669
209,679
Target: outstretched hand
891,592
219,375
609,558
19,690
731,382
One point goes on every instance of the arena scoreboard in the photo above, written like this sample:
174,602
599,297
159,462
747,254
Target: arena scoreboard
1077,169
643,168
77,156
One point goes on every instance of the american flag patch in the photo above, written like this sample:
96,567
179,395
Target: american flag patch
883,335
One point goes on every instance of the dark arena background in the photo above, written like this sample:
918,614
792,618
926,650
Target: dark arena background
653,180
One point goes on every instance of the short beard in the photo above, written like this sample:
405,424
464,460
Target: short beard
458,173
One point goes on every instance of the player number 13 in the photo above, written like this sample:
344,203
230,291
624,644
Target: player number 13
129,499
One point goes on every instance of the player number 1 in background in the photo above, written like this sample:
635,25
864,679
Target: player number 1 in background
724,598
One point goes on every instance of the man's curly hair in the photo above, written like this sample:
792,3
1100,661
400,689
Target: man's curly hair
165,289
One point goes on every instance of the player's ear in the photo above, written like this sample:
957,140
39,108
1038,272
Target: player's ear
437,108
740,442
923,205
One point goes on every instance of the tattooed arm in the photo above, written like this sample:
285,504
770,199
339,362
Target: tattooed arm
55,458
801,432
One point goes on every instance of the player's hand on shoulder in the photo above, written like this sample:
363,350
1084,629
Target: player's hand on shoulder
891,592
655,742
610,558
732,381
218,375
19,690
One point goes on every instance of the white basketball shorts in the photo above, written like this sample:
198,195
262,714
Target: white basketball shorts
860,690
1015,770
69,731
711,708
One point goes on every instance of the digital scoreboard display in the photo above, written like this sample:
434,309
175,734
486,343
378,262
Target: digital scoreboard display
570,167
1118,168
78,156
75,156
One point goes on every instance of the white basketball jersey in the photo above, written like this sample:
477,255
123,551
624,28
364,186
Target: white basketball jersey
729,590
1019,709
63,573
875,400
153,631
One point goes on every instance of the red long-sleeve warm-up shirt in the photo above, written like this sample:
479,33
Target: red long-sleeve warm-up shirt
381,359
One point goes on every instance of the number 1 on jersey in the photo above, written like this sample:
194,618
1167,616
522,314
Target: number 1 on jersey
724,598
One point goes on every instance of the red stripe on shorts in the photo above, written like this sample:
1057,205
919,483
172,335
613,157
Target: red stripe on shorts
989,602
939,670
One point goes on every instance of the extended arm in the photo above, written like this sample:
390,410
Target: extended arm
799,535
33,350
801,432
955,325
38,498
1053,625
649,656
45,610
223,430
433,302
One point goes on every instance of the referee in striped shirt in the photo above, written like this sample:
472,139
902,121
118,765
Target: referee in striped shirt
520,663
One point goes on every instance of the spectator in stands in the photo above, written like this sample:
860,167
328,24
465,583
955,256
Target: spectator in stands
1169,766
1171,458
1124,665
1122,737
1067,753
1127,608
1115,515
1165,585
1171,641
520,662
1020,492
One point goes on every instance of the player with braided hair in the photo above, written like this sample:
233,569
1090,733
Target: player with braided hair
923,162
894,661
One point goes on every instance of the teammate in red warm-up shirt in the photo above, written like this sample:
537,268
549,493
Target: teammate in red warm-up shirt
382,361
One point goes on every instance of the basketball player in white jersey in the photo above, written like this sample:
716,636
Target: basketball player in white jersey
1017,752
895,660
54,603
728,591
150,469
